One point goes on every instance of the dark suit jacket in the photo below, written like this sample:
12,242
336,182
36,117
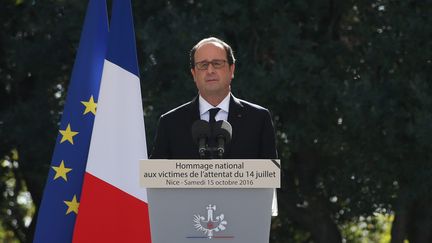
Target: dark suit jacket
253,134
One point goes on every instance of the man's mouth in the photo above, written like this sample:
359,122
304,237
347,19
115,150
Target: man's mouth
211,79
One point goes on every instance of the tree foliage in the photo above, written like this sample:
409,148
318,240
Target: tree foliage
348,84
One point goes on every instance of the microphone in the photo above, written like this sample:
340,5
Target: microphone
200,135
222,132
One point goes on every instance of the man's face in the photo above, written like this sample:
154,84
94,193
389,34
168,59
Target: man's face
212,81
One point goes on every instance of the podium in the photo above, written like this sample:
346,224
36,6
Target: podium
196,204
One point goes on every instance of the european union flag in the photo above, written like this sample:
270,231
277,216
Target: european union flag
59,206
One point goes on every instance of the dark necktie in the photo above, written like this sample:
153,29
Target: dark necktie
213,113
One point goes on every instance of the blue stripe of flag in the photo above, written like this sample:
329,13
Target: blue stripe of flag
122,48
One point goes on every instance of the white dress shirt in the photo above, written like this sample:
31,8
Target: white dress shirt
204,108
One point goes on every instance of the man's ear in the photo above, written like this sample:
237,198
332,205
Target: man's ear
193,73
232,68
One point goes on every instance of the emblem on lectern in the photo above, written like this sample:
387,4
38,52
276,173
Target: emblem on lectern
210,224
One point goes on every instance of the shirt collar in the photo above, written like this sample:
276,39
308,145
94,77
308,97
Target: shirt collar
204,106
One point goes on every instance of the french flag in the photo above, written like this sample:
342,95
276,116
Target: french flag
113,206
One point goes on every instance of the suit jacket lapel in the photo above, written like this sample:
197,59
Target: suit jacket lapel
194,110
235,118
191,115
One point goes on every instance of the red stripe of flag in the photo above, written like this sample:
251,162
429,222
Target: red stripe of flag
98,221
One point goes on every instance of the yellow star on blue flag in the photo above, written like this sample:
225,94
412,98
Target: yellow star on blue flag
61,171
90,106
67,134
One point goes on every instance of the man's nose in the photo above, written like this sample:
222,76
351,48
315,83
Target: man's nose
210,68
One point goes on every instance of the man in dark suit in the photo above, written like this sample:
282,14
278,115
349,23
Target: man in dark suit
212,67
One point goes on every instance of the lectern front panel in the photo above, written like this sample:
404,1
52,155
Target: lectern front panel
210,215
